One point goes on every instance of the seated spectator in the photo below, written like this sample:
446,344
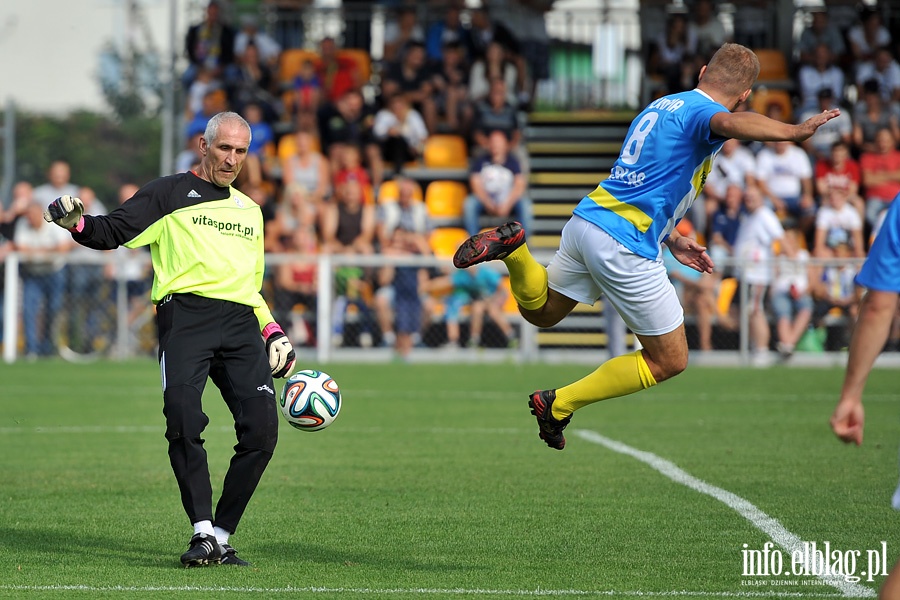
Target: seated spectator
840,171
401,132
819,75
337,75
838,129
833,287
707,28
495,113
307,171
214,101
870,115
400,32
269,49
735,165
411,78
753,247
40,245
671,57
349,122
493,65
485,30
696,290
791,299
306,98
821,32
449,80
785,180
867,36
210,45
725,223
252,82
348,224
406,212
880,174
885,70
481,289
350,169
262,139
837,222
295,213
498,187
448,30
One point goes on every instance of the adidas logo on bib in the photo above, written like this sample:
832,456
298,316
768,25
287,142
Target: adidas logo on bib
193,194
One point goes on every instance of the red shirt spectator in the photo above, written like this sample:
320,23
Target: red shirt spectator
881,174
336,75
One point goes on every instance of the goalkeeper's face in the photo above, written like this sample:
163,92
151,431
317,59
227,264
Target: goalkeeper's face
223,158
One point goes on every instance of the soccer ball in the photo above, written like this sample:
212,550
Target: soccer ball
310,400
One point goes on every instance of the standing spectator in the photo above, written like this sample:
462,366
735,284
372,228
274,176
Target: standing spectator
401,131
210,315
695,290
756,235
837,222
840,171
820,75
58,184
673,54
725,223
880,174
399,304
868,35
42,247
210,45
785,179
791,299
821,32
22,197
870,115
883,69
498,187
306,172
85,285
839,129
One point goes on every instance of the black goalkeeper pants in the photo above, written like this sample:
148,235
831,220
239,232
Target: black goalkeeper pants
199,338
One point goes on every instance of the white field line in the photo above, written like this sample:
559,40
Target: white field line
768,525
160,429
537,593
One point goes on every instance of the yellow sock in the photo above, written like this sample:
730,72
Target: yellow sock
616,377
527,278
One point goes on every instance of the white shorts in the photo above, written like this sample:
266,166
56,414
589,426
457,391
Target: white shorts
591,263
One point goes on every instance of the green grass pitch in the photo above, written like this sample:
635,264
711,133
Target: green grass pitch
433,483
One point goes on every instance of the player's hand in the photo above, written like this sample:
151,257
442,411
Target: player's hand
280,351
809,126
848,420
688,252
65,211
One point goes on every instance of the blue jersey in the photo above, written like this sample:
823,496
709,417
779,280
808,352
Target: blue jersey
881,271
661,169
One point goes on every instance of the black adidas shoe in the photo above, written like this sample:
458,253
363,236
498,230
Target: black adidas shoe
551,429
230,557
492,244
204,550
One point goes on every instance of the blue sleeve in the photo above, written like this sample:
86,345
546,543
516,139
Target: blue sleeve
697,121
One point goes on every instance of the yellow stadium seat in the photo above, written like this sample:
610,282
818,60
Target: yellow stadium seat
510,306
445,151
444,199
287,146
290,62
389,190
445,240
362,60
772,64
727,289
762,98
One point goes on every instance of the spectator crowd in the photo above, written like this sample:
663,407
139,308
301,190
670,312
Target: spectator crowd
342,144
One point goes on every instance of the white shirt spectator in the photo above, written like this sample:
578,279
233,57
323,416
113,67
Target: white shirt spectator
758,231
731,170
856,35
412,129
784,172
888,77
47,193
792,273
838,224
812,81
836,129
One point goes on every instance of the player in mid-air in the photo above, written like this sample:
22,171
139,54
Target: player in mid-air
206,244
612,243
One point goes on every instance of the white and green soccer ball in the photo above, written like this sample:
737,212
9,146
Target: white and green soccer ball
310,400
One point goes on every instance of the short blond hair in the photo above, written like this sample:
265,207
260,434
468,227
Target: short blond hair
733,69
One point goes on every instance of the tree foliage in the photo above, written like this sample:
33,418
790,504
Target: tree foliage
104,152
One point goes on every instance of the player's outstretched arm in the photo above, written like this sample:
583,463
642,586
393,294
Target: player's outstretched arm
756,127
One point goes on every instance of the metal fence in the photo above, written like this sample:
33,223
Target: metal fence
368,308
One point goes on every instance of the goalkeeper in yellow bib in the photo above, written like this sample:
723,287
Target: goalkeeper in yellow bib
612,244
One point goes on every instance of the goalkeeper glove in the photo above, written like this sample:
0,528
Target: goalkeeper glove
278,347
65,211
